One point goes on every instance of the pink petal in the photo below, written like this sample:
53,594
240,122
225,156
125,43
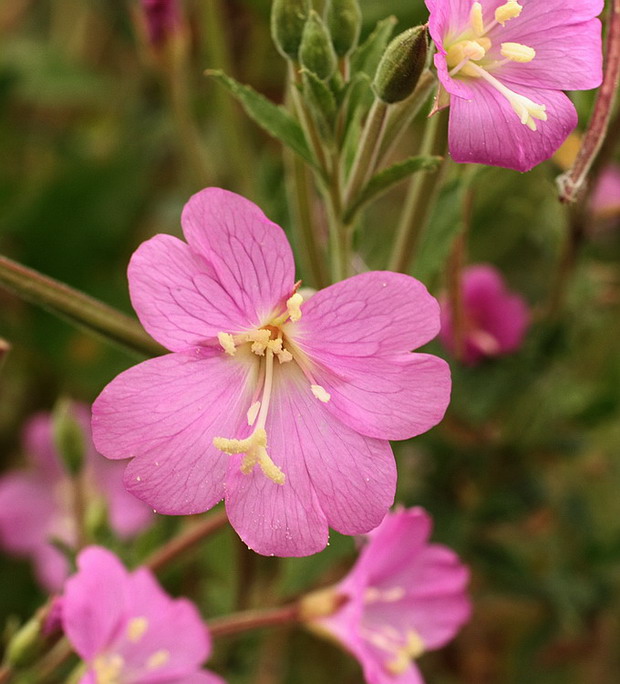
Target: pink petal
26,507
371,313
568,56
165,412
51,567
486,130
200,677
166,619
543,14
250,255
177,296
394,397
606,193
39,446
95,602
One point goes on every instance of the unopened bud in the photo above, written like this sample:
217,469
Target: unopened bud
24,646
316,52
344,21
401,65
68,437
288,18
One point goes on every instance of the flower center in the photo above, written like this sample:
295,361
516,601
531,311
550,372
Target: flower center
400,647
468,55
266,342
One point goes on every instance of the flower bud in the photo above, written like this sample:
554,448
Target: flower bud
401,65
316,52
68,437
344,21
288,18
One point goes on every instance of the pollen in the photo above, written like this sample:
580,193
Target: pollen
260,338
412,649
293,306
136,627
241,446
158,659
108,668
228,343
516,52
508,11
320,393
476,20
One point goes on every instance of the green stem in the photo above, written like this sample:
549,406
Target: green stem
419,200
340,233
76,307
368,151
253,619
194,534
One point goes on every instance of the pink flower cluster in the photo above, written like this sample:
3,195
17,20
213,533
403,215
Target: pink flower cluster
280,405
36,504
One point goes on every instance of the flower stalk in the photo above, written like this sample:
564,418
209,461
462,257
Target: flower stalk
76,307
245,621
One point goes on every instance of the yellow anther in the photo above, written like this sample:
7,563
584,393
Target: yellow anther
260,339
516,52
108,669
484,43
476,20
320,393
253,412
158,659
136,627
284,356
465,49
293,306
508,11
241,446
413,648
228,343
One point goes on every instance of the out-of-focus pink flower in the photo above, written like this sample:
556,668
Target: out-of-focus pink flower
128,630
495,320
403,597
505,65
162,19
605,199
281,405
35,504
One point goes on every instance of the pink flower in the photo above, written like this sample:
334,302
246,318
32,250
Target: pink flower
282,406
605,199
403,597
35,504
504,65
494,320
128,630
162,19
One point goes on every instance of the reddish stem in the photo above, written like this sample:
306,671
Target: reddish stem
253,619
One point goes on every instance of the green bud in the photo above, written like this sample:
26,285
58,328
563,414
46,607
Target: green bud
344,21
401,65
25,644
316,52
68,437
288,18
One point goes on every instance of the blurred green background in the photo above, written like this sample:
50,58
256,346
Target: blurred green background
100,146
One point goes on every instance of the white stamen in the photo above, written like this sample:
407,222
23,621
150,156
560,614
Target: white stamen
320,393
293,305
158,659
516,52
476,20
228,343
253,412
508,11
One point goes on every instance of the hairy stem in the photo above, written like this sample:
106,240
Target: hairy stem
76,307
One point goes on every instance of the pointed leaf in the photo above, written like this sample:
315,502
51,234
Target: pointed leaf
269,116
381,182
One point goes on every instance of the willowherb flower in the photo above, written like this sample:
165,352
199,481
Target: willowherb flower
495,320
402,598
36,503
128,630
504,65
282,406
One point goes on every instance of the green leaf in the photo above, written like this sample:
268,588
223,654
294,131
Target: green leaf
322,104
274,119
384,180
444,225
367,56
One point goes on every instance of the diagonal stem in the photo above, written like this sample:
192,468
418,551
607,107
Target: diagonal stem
76,307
